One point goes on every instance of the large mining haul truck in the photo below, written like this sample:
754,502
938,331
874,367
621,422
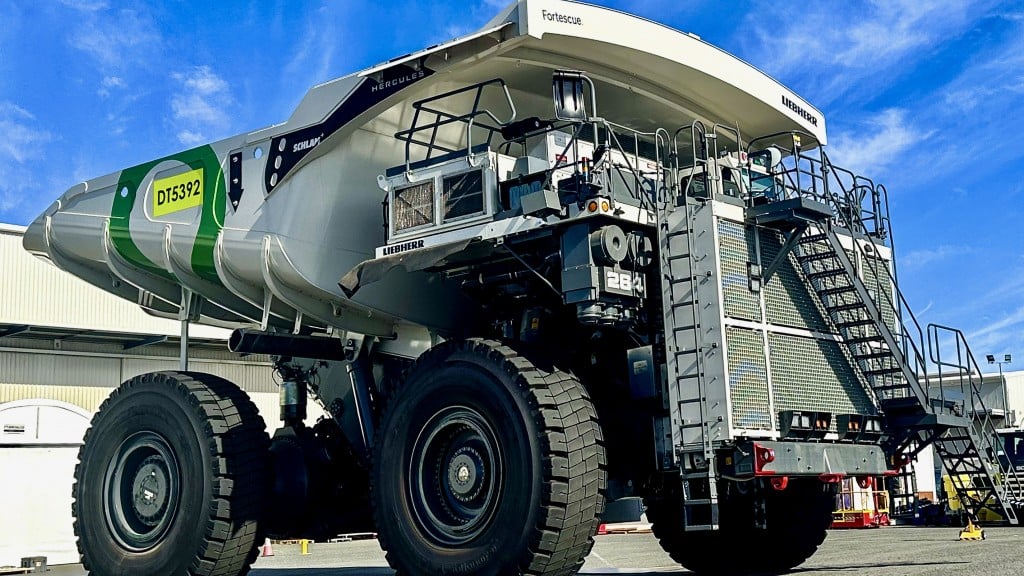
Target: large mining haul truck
574,257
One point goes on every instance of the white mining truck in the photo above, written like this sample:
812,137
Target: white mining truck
574,257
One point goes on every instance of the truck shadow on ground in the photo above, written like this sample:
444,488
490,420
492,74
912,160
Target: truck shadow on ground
390,572
860,568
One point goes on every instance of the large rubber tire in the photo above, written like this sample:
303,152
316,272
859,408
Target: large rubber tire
797,520
170,479
487,465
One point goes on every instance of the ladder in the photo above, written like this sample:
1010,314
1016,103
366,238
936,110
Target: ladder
683,356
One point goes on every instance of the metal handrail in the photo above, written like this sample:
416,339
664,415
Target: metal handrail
443,118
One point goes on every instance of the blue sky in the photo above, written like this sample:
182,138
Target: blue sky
923,96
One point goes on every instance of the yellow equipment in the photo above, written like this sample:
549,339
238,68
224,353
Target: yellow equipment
972,532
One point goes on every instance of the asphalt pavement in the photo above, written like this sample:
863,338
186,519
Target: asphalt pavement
886,551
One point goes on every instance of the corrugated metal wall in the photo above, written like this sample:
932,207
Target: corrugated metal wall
83,372
35,292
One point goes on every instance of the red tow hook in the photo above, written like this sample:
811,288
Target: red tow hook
762,455
833,478
779,482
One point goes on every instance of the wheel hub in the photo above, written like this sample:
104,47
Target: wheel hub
456,471
466,474
141,489
149,490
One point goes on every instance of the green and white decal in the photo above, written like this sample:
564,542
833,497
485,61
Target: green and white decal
201,186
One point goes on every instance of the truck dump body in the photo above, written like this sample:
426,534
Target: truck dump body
283,212
574,257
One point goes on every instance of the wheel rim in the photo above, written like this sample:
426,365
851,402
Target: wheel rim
455,474
141,491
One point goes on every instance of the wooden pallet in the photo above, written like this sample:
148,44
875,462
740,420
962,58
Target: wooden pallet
626,528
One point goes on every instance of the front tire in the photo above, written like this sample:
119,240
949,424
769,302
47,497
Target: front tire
797,521
170,479
487,465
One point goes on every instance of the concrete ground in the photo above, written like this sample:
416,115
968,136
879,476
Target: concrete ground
888,551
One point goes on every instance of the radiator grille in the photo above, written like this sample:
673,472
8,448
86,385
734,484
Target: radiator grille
748,379
812,374
788,299
737,249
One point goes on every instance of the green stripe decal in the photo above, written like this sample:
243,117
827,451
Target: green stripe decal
210,222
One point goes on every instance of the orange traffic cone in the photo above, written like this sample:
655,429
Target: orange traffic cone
268,550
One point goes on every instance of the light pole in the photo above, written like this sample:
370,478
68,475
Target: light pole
1002,383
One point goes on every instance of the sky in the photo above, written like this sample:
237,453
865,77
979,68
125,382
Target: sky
923,96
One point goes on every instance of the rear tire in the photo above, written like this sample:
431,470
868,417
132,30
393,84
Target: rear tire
797,521
170,479
487,465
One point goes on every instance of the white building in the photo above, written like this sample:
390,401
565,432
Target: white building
64,346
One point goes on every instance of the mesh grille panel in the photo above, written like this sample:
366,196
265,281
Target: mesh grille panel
413,206
737,249
787,298
811,374
748,379
881,288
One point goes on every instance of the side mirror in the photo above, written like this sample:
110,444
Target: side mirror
567,92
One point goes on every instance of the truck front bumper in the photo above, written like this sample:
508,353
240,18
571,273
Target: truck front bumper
766,458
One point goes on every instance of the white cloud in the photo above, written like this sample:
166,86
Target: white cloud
199,107
918,259
86,5
107,84
314,54
22,143
190,138
118,40
864,47
877,144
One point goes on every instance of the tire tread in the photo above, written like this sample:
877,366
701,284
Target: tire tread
235,437
574,464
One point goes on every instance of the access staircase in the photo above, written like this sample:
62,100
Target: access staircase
859,294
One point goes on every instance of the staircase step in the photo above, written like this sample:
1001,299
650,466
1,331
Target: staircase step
945,439
873,355
826,274
855,323
811,239
864,339
847,307
879,371
836,290
816,256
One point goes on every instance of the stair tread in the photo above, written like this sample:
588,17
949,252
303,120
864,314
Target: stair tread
845,307
874,355
863,339
889,370
826,273
852,323
816,256
836,290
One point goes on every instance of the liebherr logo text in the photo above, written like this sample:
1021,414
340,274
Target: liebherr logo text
396,248
799,110
561,18
412,77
